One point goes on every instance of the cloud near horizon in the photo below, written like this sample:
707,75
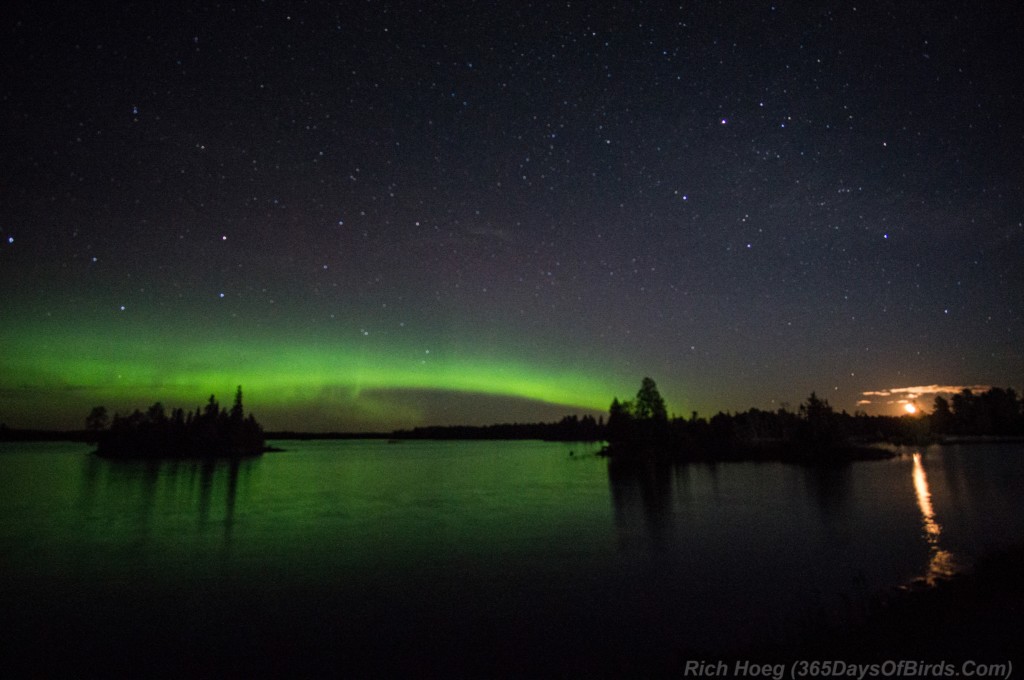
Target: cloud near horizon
904,395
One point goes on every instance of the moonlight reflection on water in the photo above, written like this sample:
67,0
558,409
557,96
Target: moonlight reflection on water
943,563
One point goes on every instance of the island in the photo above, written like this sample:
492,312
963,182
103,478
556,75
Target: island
207,432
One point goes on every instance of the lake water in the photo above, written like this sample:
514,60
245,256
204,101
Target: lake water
465,557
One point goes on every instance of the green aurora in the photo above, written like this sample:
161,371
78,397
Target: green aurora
51,371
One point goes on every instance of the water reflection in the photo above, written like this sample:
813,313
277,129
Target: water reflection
157,491
942,563
830,486
209,472
643,489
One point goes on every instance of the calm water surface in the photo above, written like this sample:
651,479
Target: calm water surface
466,557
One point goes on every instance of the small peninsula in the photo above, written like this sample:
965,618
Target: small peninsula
208,432
816,434
641,429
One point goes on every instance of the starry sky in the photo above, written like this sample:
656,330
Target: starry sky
379,214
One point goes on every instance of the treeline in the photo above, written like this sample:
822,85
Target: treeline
210,431
569,429
815,433
998,412
641,428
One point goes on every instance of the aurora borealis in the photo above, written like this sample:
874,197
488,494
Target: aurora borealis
376,215
308,378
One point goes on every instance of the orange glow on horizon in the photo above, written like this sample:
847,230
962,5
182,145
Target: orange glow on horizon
910,408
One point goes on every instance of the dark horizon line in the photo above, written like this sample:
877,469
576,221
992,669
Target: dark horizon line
8,433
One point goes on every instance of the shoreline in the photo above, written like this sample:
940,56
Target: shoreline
972,615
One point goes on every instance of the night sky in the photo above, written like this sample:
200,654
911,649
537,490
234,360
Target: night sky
386,214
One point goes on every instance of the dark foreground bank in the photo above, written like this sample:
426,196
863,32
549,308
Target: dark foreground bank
970,618
975,617
971,624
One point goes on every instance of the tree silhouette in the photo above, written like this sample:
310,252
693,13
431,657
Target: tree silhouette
815,434
237,412
997,411
640,424
97,420
207,432
649,404
820,425
620,420
156,414
941,417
